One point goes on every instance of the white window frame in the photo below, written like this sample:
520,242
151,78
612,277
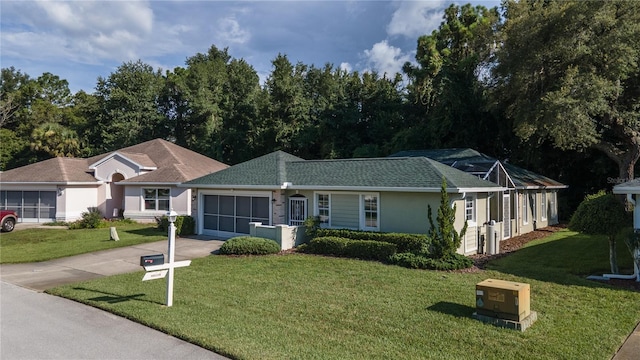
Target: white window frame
553,204
471,200
525,208
364,211
317,208
543,206
156,199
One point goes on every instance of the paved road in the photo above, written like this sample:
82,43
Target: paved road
39,326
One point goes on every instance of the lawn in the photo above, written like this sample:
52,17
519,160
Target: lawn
42,244
313,307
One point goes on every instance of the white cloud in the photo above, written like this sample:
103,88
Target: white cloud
229,31
385,59
345,66
416,18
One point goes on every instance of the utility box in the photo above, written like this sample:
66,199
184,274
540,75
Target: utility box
503,299
148,260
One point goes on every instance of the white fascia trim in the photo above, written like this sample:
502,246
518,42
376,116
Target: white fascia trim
542,187
626,190
100,182
122,183
393,189
114,154
229,187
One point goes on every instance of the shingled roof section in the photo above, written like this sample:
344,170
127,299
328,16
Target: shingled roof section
174,163
472,161
170,163
58,170
278,168
382,173
267,171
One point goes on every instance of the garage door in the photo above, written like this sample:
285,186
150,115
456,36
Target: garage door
228,215
31,206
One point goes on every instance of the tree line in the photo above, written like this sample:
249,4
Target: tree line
552,86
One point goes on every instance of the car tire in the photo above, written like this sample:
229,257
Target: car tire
8,225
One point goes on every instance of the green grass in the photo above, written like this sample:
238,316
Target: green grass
312,307
38,244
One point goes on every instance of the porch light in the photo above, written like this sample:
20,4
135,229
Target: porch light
172,215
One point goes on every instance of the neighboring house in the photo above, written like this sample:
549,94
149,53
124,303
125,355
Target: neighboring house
379,194
529,202
632,190
137,182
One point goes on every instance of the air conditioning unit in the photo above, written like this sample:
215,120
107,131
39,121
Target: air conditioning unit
503,299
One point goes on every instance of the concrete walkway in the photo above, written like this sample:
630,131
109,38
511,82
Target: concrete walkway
48,274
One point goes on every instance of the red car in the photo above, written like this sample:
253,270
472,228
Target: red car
9,219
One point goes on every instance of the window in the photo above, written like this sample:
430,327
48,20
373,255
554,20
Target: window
324,212
525,209
370,205
534,206
543,206
470,209
156,199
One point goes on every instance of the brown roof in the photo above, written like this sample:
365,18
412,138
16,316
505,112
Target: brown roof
173,164
56,170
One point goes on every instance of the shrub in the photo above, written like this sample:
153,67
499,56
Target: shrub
445,240
414,243
360,249
185,225
188,225
311,227
369,250
413,261
326,245
91,219
601,214
249,245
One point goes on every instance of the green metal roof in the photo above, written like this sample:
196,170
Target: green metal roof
400,173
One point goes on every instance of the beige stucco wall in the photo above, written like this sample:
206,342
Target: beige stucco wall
181,202
116,164
75,200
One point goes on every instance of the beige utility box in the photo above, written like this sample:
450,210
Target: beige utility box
503,299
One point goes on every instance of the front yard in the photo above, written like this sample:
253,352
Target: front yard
313,307
42,244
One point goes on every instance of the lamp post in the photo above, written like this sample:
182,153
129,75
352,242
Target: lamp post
171,215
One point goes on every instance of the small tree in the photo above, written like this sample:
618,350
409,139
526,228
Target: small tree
601,214
444,238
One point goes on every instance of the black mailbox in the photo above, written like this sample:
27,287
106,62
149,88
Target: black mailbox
148,260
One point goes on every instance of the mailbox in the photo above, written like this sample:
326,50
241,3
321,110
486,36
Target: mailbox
148,260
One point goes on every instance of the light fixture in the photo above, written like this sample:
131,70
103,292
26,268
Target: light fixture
172,215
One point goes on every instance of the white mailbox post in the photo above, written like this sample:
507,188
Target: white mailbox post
159,271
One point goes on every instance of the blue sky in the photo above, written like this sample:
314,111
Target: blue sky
82,40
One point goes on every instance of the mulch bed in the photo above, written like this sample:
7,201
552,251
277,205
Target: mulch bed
513,244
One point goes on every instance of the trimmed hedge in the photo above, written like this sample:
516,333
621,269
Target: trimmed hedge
413,261
185,225
414,243
360,249
249,245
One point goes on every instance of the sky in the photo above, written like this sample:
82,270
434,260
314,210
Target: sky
80,41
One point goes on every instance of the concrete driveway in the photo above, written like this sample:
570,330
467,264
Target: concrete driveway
48,274
40,326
